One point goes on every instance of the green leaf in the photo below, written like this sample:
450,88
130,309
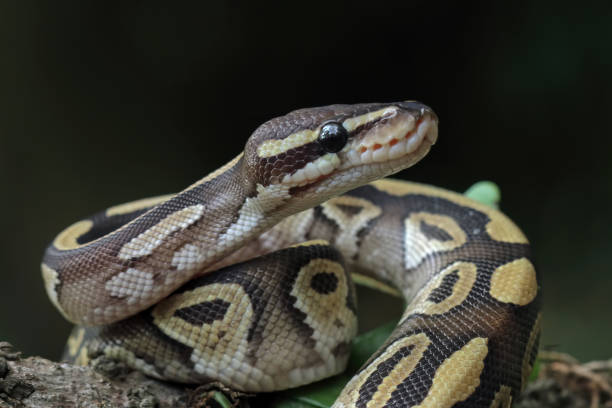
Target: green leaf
485,192
222,399
536,370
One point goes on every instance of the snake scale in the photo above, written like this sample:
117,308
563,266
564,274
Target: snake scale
242,277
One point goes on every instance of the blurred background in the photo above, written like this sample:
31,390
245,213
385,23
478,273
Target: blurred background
106,102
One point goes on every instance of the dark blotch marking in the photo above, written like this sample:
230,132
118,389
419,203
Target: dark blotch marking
324,283
370,386
342,349
272,169
433,232
349,210
324,227
103,225
360,234
203,313
445,289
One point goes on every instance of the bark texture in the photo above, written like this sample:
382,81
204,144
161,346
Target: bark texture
35,382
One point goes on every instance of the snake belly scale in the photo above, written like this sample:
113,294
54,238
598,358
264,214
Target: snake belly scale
242,277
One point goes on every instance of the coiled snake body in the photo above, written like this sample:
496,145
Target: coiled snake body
241,277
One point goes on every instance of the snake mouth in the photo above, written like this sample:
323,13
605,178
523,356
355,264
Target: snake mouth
397,141
394,141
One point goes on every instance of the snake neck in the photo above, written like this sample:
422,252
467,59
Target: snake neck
161,248
235,210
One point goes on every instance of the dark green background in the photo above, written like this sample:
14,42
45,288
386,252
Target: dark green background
106,102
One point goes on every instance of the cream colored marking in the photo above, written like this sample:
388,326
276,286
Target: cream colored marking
499,228
350,394
137,205
163,366
67,239
458,376
83,358
461,290
287,232
324,310
401,370
322,166
132,284
527,368
418,245
310,243
122,354
274,147
503,398
349,226
220,348
251,216
372,283
389,142
76,348
267,199
188,257
146,242
75,340
515,282
291,229
351,124
50,277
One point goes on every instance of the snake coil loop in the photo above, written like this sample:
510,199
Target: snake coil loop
242,277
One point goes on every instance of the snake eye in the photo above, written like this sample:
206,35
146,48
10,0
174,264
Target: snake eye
333,137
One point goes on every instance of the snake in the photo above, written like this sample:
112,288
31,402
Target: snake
244,278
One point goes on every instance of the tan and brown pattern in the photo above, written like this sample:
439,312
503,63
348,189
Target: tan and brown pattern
76,346
499,227
531,351
372,388
263,318
456,305
448,289
252,326
351,216
458,376
427,233
515,282
503,398
176,239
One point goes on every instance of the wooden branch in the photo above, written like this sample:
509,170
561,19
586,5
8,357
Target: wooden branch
35,382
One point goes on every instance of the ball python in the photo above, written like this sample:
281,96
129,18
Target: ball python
242,278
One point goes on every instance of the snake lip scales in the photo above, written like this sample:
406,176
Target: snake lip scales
384,141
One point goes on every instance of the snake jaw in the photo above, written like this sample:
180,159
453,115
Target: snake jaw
308,146
313,171
394,142
388,135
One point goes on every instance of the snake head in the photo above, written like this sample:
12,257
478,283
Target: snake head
329,150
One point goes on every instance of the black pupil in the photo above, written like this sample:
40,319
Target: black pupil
333,137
